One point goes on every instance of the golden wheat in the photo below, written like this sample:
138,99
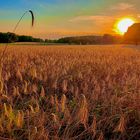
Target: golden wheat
70,93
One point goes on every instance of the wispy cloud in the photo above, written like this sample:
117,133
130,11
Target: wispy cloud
123,6
99,18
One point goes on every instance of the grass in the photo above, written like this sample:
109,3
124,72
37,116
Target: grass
70,93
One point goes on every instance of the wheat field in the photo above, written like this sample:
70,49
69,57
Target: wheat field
70,93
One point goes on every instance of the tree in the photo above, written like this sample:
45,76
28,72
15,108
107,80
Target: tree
12,37
133,34
8,37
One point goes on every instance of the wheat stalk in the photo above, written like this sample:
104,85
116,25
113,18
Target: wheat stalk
14,30
63,102
42,94
81,113
19,119
121,125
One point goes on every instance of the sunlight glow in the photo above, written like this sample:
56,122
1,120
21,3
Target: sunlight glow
123,25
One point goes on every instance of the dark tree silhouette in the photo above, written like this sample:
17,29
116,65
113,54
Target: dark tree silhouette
87,40
12,37
133,34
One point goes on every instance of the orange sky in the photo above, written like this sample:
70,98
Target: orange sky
58,18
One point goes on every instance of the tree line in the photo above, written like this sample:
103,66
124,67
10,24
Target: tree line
132,36
12,37
87,40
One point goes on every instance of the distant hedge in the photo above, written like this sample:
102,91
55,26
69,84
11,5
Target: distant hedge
11,38
85,40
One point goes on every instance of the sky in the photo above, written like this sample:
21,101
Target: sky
59,18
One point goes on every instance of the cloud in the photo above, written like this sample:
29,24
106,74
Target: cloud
96,23
98,18
123,6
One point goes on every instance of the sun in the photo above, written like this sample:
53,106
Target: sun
123,25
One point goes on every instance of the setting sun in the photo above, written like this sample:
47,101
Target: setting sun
123,25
